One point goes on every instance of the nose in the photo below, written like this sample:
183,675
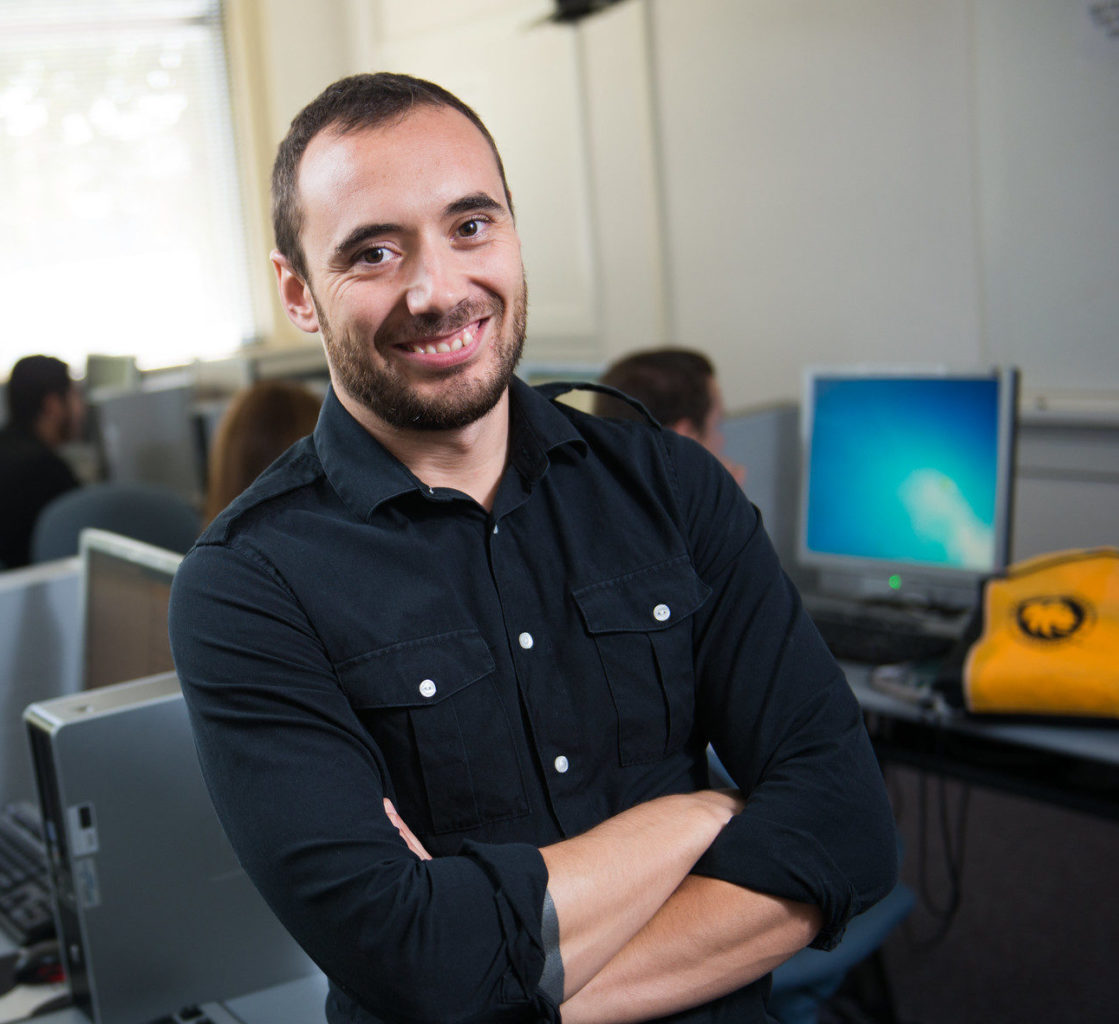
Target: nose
435,285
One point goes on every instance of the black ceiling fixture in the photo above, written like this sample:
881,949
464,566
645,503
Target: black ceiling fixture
575,10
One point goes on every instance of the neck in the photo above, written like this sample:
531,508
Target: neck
470,459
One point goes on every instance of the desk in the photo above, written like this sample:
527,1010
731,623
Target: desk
1072,765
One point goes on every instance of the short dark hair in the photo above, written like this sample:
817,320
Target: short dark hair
672,383
351,104
31,380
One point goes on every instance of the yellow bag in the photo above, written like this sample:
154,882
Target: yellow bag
1050,638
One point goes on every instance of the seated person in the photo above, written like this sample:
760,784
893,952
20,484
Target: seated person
45,410
261,422
679,388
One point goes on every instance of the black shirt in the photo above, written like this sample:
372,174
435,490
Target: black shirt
509,679
31,475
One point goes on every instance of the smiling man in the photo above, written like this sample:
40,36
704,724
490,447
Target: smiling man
453,662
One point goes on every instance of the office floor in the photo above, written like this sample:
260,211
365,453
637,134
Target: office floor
1036,935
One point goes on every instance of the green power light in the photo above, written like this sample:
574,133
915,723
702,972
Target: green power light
895,582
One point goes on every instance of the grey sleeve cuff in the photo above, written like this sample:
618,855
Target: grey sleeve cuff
551,981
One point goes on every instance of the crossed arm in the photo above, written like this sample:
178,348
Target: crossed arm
639,936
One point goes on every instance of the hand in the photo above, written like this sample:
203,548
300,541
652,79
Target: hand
405,832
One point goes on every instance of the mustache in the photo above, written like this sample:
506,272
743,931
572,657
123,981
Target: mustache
427,325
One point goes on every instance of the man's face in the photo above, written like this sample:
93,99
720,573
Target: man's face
414,269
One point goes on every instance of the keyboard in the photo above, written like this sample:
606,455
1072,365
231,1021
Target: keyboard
877,634
26,907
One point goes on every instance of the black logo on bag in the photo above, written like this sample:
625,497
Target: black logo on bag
1051,618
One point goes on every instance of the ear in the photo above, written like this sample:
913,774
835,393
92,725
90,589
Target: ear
295,295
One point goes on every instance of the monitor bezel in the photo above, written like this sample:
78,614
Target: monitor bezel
865,577
91,542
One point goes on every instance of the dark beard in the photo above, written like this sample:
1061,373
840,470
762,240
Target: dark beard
389,395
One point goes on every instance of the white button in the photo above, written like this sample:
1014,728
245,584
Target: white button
562,764
661,612
525,640
495,527
427,688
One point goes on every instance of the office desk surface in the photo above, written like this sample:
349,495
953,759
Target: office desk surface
1074,764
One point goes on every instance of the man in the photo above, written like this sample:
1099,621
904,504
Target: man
453,662
679,388
45,410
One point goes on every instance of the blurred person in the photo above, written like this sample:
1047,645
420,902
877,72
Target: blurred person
678,386
45,410
261,422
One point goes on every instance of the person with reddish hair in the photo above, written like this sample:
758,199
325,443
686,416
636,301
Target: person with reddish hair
259,424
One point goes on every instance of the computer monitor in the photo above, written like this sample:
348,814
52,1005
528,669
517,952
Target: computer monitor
126,588
146,435
908,478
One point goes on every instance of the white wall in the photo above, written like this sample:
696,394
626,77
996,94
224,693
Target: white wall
819,207
1047,153
780,182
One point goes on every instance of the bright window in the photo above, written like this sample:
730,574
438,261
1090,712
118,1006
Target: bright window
122,226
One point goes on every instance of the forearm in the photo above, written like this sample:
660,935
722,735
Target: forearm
608,883
709,938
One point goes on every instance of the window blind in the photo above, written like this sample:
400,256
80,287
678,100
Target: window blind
119,199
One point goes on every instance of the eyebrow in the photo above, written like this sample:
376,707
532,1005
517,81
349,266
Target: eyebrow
476,202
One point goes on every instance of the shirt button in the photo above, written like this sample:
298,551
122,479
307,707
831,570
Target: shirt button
495,528
562,764
525,640
662,612
427,688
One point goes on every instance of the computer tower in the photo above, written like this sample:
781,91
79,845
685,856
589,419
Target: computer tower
153,911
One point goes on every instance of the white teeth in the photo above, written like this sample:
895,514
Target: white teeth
460,341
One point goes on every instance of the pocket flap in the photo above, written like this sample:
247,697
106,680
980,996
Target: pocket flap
416,673
642,601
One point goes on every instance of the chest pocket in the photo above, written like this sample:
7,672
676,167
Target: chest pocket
641,624
432,704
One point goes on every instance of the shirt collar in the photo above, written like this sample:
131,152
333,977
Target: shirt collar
365,474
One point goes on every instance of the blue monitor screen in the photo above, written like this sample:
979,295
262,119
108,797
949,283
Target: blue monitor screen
907,469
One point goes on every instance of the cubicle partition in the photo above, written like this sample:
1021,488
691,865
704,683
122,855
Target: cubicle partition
40,657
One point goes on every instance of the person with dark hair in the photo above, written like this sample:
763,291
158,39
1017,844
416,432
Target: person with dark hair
45,410
678,386
453,661
261,422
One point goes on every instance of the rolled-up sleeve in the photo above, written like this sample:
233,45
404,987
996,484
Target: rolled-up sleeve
298,784
817,826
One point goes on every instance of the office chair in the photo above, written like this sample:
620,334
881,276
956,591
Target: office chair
804,982
145,512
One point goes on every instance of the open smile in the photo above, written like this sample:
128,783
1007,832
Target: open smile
448,348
